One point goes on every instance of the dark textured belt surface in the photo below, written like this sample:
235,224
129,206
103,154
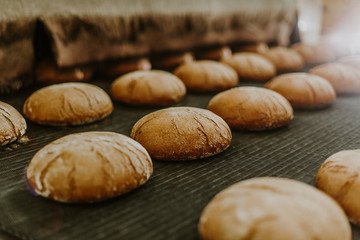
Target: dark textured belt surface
169,205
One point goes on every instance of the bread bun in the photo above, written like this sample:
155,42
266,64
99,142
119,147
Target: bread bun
303,90
284,59
182,133
344,78
215,54
252,108
314,54
170,61
259,47
68,104
153,87
47,72
251,66
338,176
353,61
207,75
126,66
273,208
89,167
12,124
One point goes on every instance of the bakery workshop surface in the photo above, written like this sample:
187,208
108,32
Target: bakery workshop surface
169,205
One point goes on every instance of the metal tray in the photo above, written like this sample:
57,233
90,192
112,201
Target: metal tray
168,206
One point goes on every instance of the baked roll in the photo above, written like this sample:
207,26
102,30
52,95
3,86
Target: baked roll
89,167
182,133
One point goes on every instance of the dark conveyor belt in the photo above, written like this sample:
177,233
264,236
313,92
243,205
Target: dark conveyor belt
169,205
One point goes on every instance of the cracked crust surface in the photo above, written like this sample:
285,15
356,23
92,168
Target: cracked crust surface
207,75
344,78
273,208
216,53
284,59
353,61
172,60
68,104
12,124
339,177
182,133
314,54
252,108
89,167
303,90
251,66
153,87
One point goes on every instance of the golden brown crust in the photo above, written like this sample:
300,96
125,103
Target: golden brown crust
153,87
259,47
182,133
172,60
47,72
12,124
251,66
353,61
252,108
68,104
345,79
273,208
303,90
89,167
339,177
117,69
314,54
207,75
284,59
215,53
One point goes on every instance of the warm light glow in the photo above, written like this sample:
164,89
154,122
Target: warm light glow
309,23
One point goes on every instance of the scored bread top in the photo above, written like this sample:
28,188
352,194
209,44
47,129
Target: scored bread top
338,176
207,75
252,108
344,78
153,87
12,124
273,208
68,104
251,66
314,54
88,167
284,59
303,90
182,133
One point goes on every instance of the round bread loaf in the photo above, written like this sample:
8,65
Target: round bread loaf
303,90
68,104
353,61
126,66
273,208
345,79
339,177
259,47
47,72
314,54
153,87
251,66
170,61
12,124
206,75
252,108
182,133
284,59
215,54
89,167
